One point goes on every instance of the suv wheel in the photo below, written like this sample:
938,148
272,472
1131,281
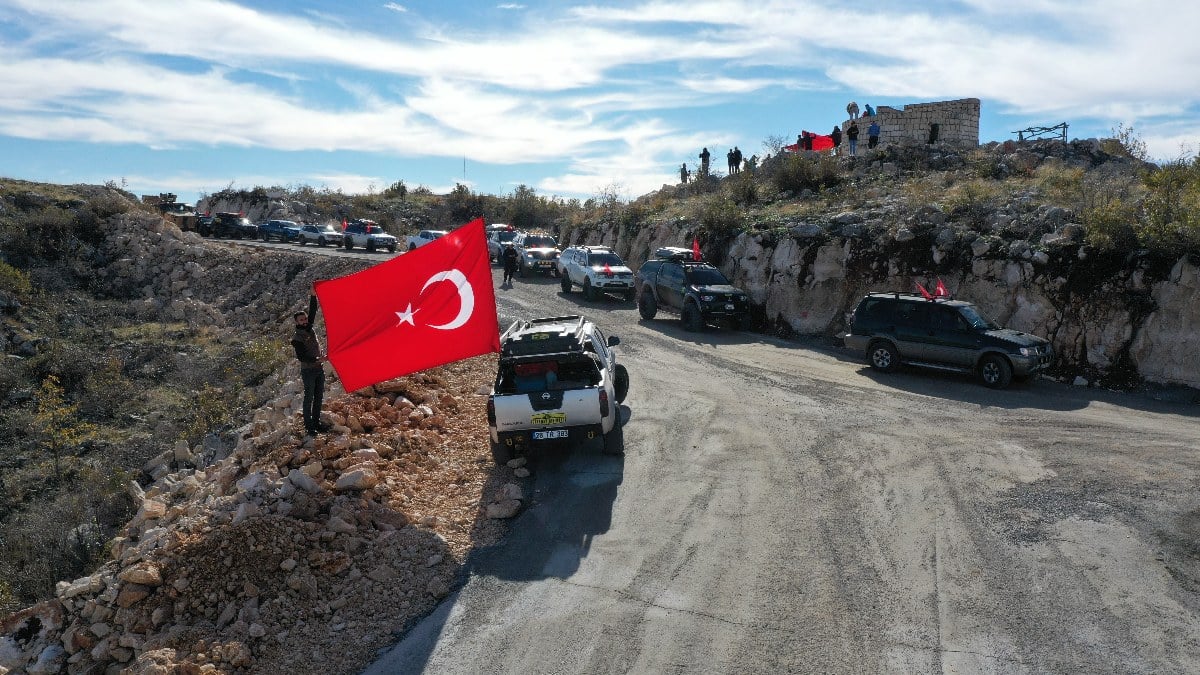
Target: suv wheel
620,383
266,237
588,292
647,306
883,356
692,321
501,453
565,283
995,372
392,248
370,246
348,243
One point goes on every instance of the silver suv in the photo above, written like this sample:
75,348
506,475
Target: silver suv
368,234
595,269
536,252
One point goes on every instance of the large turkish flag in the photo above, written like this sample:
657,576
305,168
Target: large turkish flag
430,306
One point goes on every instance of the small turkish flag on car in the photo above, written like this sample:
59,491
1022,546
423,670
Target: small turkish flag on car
345,224
695,248
940,290
429,307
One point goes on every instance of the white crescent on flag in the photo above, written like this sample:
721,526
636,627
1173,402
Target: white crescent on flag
466,297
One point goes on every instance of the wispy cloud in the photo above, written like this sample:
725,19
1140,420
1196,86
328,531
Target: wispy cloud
395,7
510,5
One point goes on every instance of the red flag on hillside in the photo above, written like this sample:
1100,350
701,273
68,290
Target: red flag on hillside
695,248
820,143
940,289
431,306
794,147
924,293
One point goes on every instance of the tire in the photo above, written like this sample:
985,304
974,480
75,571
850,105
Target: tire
370,246
620,382
266,237
412,247
521,270
348,243
501,453
614,441
301,241
690,316
995,372
565,284
392,248
321,242
647,306
882,356
589,293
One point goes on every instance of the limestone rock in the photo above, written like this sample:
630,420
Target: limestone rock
146,574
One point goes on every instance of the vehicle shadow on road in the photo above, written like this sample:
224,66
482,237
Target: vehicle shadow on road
712,336
570,497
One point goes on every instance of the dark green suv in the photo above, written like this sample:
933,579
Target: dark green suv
696,291
896,328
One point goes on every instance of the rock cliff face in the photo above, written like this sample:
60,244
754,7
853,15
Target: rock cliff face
1114,318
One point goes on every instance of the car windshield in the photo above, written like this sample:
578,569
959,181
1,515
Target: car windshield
540,242
977,320
327,228
706,276
505,236
611,259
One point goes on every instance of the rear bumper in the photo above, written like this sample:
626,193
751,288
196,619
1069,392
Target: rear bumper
524,437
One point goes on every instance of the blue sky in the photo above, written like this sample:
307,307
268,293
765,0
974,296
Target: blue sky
191,96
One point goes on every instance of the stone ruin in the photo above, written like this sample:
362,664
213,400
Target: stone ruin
952,122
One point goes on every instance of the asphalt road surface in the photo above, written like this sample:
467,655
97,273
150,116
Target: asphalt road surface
781,508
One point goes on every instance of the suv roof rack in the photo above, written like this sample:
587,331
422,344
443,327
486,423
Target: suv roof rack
547,335
675,253
915,296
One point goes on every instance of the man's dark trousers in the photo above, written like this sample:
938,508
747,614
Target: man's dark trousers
314,392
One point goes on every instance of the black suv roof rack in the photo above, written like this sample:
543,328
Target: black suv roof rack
549,335
915,296
675,253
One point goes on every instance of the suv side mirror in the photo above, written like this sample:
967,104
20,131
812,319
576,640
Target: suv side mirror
613,340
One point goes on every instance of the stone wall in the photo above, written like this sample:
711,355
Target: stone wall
958,123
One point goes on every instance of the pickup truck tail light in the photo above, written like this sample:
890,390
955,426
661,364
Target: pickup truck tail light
603,403
491,411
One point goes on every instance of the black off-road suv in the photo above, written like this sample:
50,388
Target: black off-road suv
694,290
896,328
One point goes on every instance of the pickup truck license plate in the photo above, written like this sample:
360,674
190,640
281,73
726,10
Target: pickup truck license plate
544,435
728,306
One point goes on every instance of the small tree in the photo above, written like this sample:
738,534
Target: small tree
57,422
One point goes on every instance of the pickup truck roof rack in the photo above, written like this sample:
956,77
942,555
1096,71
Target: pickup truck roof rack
549,335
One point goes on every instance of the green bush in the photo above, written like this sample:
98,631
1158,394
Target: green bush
718,215
1112,225
741,189
14,281
1172,207
800,172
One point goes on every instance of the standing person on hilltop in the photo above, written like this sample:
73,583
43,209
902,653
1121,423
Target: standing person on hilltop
683,173
704,156
868,111
729,161
873,134
836,135
312,373
852,110
737,160
852,137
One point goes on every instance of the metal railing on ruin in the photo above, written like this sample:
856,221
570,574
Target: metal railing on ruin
1059,130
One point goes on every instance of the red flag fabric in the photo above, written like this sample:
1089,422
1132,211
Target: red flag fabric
428,307
820,143
924,293
345,223
695,248
940,289
607,270
794,147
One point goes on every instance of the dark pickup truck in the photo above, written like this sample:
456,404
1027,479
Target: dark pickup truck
694,290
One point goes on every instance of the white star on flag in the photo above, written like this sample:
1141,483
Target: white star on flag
406,316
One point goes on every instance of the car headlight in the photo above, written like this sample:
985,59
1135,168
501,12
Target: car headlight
1028,351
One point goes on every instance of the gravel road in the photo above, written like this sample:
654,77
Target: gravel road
782,508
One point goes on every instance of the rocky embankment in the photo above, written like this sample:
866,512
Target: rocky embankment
291,554
1113,317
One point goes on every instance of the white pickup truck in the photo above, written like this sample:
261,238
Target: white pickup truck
423,237
558,382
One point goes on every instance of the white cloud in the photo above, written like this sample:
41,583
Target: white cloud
510,6
396,7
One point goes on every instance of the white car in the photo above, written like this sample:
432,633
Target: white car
423,237
320,234
597,270
496,241
368,234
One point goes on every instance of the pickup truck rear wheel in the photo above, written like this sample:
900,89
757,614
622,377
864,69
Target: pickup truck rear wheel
995,372
692,321
564,282
883,356
501,453
614,441
621,383
647,306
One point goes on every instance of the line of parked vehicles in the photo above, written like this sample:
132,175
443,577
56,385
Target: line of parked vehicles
357,233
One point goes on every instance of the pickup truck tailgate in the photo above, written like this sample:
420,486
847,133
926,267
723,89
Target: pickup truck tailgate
541,409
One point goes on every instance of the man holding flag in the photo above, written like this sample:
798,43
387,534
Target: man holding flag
429,307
